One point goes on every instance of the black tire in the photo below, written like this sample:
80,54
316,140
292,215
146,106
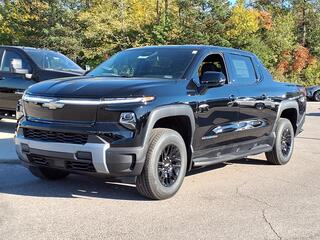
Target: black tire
316,96
48,173
158,180
284,143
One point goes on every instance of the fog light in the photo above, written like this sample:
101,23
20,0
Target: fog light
128,120
25,148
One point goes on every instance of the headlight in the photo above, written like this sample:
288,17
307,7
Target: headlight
128,120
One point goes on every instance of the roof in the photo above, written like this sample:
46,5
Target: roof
24,48
191,47
198,47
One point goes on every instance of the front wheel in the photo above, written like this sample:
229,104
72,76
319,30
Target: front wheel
316,96
47,173
283,147
165,165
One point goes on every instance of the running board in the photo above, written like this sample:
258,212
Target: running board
204,161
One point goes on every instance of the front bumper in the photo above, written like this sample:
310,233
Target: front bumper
95,156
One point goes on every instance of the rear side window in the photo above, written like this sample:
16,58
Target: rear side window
243,70
9,56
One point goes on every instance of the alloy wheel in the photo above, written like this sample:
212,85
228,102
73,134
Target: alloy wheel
169,165
286,142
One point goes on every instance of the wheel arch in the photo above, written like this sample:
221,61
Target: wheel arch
288,109
179,117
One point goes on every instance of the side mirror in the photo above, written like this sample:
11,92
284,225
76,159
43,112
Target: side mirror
213,79
16,66
87,69
28,76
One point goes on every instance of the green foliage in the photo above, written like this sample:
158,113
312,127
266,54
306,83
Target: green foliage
312,75
39,24
284,34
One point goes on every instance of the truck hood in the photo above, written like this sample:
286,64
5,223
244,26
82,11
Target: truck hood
97,87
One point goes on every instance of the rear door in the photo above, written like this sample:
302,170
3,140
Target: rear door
12,83
254,104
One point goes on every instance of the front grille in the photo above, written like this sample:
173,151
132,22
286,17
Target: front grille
50,136
75,165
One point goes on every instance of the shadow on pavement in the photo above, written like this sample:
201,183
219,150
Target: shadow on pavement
7,149
7,127
250,161
17,180
199,170
314,114
246,161
309,138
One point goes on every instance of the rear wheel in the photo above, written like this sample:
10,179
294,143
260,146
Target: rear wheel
283,147
316,96
48,173
165,165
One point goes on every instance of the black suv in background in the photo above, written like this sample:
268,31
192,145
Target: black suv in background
155,113
21,67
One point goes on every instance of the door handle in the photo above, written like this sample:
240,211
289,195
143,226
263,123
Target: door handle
232,97
203,108
232,100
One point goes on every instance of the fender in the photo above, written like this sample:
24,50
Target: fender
285,104
168,111
140,152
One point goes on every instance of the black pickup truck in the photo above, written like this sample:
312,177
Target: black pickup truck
157,112
20,67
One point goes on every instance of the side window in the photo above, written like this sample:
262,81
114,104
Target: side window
213,62
243,70
9,56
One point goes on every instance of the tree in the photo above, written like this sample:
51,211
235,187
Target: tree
285,34
243,24
39,23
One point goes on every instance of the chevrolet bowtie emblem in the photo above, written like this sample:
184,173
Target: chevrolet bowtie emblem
53,105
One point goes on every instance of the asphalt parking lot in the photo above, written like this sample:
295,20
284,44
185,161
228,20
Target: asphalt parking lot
243,199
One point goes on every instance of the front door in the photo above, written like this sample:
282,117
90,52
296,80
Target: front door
12,81
217,112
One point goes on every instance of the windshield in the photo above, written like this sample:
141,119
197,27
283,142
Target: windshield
53,61
166,63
